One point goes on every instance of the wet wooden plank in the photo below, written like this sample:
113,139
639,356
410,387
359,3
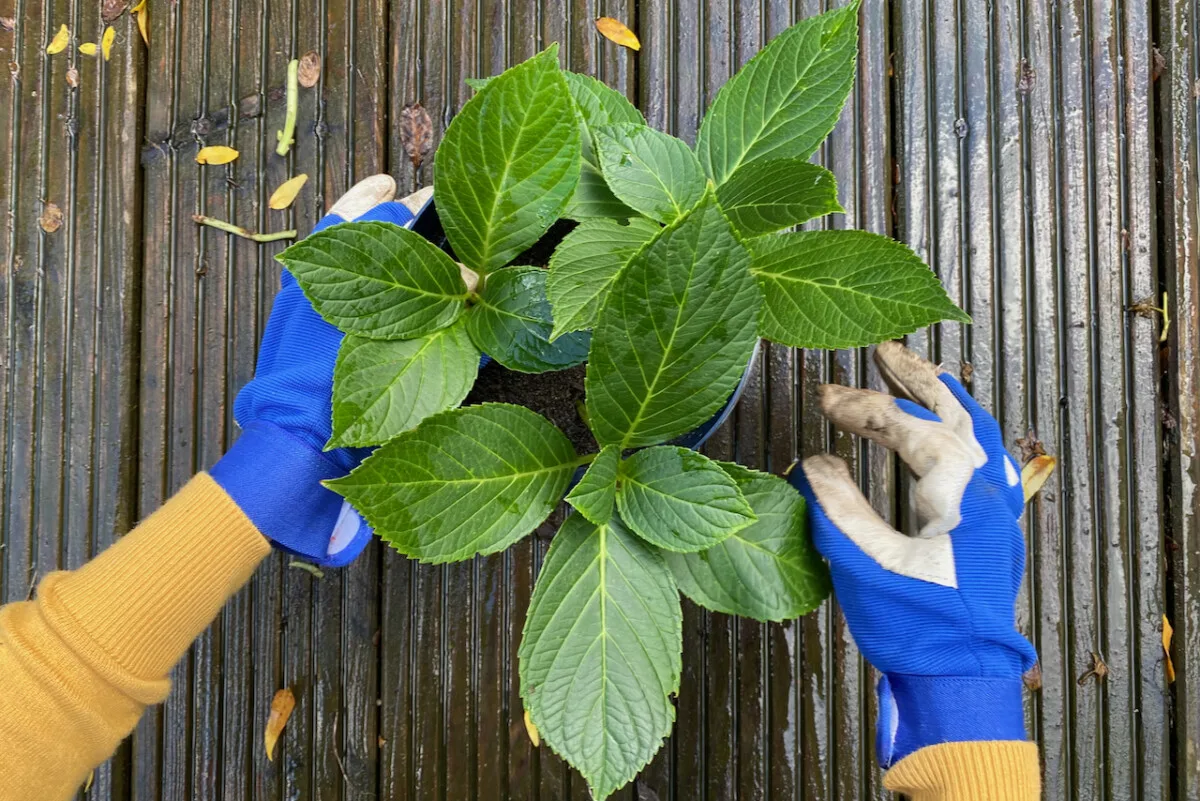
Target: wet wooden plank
1181,417
69,301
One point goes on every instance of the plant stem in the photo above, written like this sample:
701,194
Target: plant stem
587,458
237,230
293,104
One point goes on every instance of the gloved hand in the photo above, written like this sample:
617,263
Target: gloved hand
275,469
934,613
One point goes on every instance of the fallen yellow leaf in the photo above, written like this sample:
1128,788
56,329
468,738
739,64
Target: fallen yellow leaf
1168,632
143,21
60,41
137,8
88,48
283,197
216,154
106,41
90,781
532,731
616,31
281,709
1035,472
51,219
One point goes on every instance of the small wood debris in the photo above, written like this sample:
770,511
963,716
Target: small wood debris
1098,670
51,219
1030,446
966,373
111,9
281,709
309,71
60,41
8,24
416,133
1025,77
1158,64
618,32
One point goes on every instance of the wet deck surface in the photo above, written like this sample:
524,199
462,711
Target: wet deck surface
1042,156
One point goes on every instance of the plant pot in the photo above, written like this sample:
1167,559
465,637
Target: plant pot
429,225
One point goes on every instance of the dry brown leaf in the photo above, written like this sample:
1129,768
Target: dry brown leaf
281,709
1168,632
532,731
88,48
1099,670
8,24
143,21
60,41
216,154
283,197
72,77
111,9
616,31
1034,474
106,41
1033,678
310,69
51,219
416,133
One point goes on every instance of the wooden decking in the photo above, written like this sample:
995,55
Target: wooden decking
1042,156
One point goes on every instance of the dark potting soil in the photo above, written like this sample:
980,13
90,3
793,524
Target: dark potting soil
557,396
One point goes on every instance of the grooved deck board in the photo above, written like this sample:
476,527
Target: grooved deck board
1024,148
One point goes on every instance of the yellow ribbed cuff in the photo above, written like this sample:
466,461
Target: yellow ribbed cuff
133,611
970,771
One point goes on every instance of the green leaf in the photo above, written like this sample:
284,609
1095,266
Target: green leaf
679,500
786,99
595,493
597,105
675,334
845,289
468,481
382,388
508,163
593,199
650,171
478,83
770,195
584,266
767,571
377,279
600,655
600,104
511,322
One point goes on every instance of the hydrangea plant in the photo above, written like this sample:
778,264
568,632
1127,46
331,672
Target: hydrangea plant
681,260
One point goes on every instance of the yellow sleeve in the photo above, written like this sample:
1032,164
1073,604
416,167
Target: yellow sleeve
81,662
976,771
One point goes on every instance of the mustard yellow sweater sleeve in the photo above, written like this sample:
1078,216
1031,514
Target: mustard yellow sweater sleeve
980,771
79,664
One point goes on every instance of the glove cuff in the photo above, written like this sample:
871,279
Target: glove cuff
917,711
275,479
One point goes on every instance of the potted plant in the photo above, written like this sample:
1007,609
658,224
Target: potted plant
675,269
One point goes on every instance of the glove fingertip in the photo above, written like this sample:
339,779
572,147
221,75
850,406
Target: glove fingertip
349,538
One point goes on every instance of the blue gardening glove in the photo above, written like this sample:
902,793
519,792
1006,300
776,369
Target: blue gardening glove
934,613
275,469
